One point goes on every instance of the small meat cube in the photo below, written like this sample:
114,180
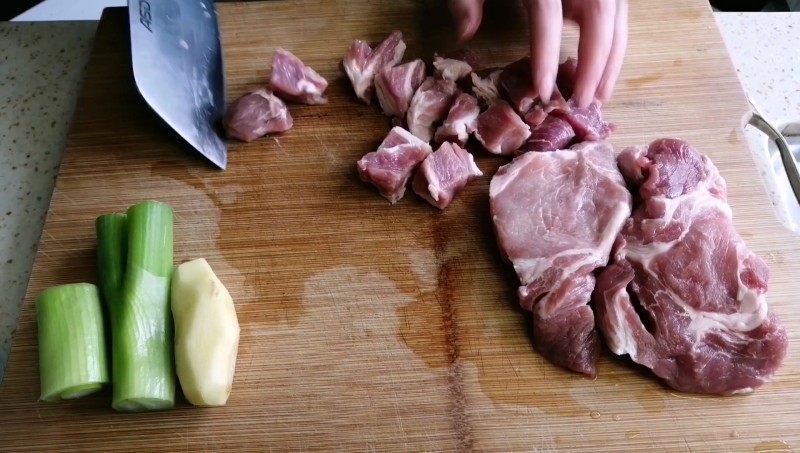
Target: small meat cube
362,63
460,122
429,106
565,80
444,174
466,55
256,114
454,65
553,134
587,122
293,81
486,89
515,81
396,85
536,115
391,166
500,130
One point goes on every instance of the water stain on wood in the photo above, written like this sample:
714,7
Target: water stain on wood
639,82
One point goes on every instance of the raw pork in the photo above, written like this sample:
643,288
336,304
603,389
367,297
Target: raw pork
362,63
429,106
293,81
444,174
460,122
515,81
396,85
554,133
500,130
464,54
449,69
256,114
391,166
587,123
555,217
486,88
684,295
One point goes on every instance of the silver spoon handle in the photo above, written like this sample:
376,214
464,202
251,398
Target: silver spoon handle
789,163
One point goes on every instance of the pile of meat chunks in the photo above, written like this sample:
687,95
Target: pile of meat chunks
436,110
646,234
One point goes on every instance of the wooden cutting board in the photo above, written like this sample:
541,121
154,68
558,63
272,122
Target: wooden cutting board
371,327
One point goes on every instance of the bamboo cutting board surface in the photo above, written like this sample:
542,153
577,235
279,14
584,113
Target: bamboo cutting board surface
370,327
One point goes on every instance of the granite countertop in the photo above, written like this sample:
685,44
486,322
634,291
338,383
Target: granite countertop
41,71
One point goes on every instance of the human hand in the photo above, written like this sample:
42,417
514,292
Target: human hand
601,49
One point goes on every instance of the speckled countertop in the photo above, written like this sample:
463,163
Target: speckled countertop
41,70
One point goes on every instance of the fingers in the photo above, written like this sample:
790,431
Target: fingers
597,23
617,55
468,15
546,22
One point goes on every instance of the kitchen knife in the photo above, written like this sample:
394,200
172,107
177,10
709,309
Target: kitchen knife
178,69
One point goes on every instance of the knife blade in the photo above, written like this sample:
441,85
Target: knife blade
178,69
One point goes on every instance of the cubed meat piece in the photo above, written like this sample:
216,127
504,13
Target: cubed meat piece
255,115
455,65
429,106
390,167
587,122
565,80
500,130
293,81
395,86
684,295
362,63
444,174
461,121
537,114
515,82
553,134
466,55
486,88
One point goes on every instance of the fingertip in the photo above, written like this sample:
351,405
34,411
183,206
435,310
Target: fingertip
582,97
544,84
468,15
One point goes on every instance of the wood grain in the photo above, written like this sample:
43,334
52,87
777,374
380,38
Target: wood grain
370,327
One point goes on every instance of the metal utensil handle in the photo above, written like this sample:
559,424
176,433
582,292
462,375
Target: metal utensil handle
789,163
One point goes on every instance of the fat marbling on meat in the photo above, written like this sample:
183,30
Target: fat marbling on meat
395,86
461,120
361,62
684,296
430,105
444,174
552,134
255,115
556,216
485,86
390,167
293,81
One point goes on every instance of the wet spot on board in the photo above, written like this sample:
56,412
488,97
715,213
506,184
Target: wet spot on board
690,13
733,137
639,82
772,446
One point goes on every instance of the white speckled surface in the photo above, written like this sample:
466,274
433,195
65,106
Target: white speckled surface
41,69
765,49
42,65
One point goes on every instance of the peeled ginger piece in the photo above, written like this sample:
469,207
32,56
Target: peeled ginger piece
206,334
